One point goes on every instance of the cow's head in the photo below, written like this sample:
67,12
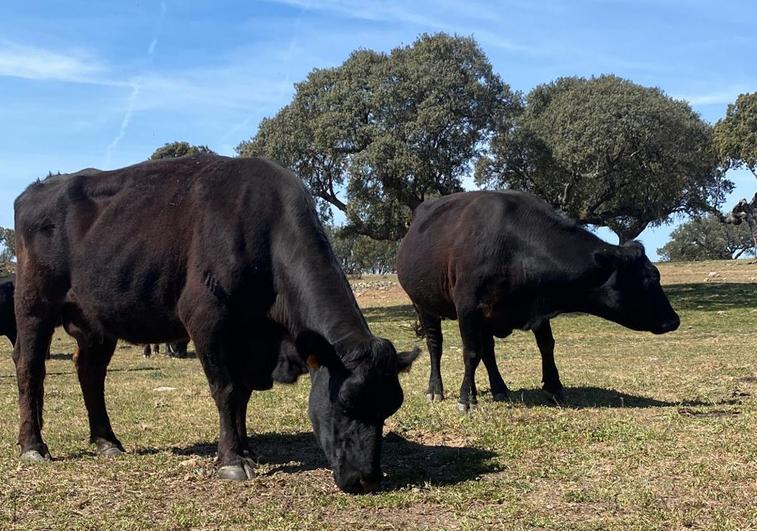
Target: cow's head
348,406
631,295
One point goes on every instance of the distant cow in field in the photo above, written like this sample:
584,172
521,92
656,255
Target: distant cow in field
7,317
229,252
176,349
500,261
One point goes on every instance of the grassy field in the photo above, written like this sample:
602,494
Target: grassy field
659,432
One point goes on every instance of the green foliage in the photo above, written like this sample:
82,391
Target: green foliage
736,134
608,152
172,150
360,254
707,239
8,243
381,133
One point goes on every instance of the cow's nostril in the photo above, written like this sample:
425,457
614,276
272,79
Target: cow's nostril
671,325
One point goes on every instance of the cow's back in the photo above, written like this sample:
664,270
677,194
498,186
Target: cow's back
123,243
486,241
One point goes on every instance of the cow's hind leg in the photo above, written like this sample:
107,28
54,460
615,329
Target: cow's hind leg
550,377
92,359
471,334
496,383
241,424
432,328
29,354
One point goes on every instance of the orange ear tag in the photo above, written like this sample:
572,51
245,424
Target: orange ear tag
312,362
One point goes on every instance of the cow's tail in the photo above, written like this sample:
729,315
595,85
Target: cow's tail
420,331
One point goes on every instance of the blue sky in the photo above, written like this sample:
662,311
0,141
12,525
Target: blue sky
102,84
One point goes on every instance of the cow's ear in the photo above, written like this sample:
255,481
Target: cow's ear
406,359
290,365
315,350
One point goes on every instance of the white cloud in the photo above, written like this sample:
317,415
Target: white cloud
136,87
37,63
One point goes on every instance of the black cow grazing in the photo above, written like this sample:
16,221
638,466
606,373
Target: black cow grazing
229,252
497,261
7,317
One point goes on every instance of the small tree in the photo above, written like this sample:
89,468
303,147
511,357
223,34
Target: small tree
736,134
358,254
8,242
707,239
610,153
178,149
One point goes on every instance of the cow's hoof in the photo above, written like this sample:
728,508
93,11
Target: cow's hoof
558,396
110,451
33,456
435,397
240,472
466,408
500,397
106,448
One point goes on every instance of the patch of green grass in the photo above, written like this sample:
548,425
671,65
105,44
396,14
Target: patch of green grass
659,432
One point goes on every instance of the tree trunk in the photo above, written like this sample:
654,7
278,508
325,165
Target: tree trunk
626,234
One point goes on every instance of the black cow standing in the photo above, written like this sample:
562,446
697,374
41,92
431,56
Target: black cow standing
500,261
227,252
7,316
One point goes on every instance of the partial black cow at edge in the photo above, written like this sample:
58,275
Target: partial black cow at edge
227,252
500,261
7,316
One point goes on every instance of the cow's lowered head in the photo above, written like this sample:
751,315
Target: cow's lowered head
351,396
631,295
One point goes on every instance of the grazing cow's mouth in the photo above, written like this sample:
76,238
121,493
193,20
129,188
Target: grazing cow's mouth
668,326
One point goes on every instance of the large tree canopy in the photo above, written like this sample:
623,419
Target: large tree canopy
608,152
381,133
736,134
707,239
172,150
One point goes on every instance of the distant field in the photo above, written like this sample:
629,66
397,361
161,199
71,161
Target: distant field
659,432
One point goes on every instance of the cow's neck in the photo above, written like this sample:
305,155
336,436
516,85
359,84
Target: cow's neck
319,298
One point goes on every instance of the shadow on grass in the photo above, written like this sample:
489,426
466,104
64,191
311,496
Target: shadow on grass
598,397
405,462
712,296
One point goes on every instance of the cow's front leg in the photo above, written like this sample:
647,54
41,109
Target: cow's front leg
496,383
231,400
470,332
550,377
92,359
